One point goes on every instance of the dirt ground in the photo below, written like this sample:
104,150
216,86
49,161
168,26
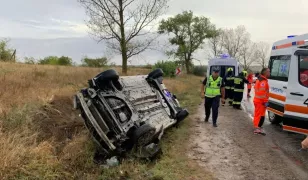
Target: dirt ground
232,151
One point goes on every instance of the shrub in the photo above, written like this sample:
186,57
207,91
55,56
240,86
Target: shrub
65,61
199,70
54,60
96,62
167,66
29,60
5,52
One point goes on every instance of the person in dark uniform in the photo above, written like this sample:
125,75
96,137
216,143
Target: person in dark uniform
239,86
213,89
229,82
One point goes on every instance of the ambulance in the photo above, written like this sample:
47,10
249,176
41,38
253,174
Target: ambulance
223,62
288,102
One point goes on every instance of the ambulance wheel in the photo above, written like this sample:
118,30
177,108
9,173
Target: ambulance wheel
273,118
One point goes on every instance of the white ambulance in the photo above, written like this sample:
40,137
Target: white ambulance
288,102
223,63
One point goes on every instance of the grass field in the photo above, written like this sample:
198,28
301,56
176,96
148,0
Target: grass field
42,137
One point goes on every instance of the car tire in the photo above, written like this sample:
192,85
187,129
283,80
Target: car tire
108,75
273,118
143,135
156,73
181,115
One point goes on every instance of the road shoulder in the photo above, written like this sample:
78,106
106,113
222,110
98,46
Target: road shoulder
232,151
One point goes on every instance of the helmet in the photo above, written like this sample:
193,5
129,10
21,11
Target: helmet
229,69
245,73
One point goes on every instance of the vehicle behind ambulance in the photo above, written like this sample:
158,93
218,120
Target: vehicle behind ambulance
223,63
288,102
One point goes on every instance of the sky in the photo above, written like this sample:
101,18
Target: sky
42,27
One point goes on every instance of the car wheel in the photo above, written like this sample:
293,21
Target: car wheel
143,135
108,75
156,73
117,85
181,115
273,118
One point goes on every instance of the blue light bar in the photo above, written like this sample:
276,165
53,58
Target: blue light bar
225,56
291,36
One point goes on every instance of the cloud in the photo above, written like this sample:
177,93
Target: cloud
48,28
266,20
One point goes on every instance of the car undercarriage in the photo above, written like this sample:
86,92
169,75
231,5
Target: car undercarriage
129,112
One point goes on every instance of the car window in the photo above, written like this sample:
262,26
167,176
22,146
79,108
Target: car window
303,70
279,66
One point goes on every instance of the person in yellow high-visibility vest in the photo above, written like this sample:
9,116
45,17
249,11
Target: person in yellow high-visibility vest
213,89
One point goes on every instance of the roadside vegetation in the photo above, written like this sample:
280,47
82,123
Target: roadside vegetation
43,138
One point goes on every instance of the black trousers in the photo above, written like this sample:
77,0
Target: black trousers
212,103
229,95
237,99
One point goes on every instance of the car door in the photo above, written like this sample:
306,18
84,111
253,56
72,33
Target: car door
279,66
296,107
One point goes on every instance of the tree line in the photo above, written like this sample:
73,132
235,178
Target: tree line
128,28
67,61
6,54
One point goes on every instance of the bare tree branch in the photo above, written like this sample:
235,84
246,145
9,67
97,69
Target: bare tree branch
120,22
262,53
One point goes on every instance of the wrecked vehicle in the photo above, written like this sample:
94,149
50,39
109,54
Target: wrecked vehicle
128,112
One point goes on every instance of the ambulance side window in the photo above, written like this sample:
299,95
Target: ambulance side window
279,66
303,70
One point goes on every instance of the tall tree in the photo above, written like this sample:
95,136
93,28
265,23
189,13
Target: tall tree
122,23
247,54
189,33
233,40
263,53
215,44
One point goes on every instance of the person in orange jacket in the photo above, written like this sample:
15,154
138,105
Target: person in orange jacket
261,100
250,80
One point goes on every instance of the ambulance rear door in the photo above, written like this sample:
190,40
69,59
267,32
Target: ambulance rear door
279,66
296,106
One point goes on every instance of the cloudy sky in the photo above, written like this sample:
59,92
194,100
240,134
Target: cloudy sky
37,27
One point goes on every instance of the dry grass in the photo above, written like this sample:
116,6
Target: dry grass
41,137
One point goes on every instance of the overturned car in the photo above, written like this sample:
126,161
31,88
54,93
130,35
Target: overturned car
128,112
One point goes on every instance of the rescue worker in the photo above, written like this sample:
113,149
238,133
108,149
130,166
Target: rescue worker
261,100
229,82
213,89
250,80
239,86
